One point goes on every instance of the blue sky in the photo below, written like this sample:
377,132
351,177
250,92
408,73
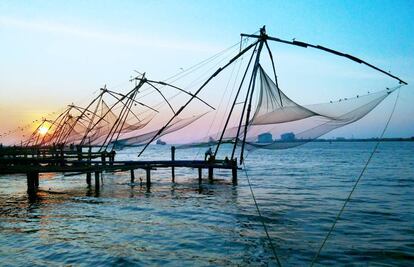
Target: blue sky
56,52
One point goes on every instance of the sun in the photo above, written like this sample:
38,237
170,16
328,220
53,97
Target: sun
43,130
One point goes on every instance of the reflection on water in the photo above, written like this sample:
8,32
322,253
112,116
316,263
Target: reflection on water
299,192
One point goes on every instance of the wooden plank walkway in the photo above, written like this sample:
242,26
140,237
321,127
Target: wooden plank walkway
86,163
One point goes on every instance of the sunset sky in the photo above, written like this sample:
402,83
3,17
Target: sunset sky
53,53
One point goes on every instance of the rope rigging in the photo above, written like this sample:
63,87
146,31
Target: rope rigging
261,217
356,182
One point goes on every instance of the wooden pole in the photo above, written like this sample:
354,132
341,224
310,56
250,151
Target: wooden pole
132,176
62,156
123,114
97,182
148,170
172,168
31,187
200,175
88,178
103,157
195,95
234,173
36,179
250,97
234,103
210,174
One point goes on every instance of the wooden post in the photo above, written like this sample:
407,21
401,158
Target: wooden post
97,182
148,177
89,153
172,168
210,174
31,187
88,178
132,176
62,157
30,183
234,174
36,179
103,158
200,175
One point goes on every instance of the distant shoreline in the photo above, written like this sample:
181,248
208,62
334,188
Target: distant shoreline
395,139
337,140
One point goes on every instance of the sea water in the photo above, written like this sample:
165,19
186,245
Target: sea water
299,192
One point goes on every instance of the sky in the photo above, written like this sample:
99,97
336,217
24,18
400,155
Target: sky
53,53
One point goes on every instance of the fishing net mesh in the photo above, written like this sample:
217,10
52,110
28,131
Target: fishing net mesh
278,122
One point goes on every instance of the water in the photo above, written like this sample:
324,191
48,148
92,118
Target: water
299,192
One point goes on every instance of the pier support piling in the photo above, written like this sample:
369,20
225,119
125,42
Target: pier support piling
32,182
132,176
200,175
148,170
173,168
88,178
103,158
234,175
97,181
36,180
210,174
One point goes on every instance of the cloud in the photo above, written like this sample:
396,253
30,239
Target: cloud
95,34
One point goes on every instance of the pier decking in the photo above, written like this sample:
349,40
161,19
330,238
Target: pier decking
33,162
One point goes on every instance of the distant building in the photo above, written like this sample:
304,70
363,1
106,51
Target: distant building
265,138
288,137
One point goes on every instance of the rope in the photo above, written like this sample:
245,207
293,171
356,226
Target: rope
356,183
261,218
219,106
222,97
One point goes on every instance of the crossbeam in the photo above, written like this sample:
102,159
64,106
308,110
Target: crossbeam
323,48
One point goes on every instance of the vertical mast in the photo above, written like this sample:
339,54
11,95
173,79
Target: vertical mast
249,96
234,103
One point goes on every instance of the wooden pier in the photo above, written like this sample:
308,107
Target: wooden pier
32,163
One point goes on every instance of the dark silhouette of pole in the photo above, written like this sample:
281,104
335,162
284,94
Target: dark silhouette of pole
234,104
274,71
335,52
196,93
253,80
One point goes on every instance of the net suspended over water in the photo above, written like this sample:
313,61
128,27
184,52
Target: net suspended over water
142,139
125,122
278,122
276,112
275,122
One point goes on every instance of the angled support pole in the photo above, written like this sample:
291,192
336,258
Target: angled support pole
195,94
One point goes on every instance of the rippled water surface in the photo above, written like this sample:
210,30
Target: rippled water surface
299,192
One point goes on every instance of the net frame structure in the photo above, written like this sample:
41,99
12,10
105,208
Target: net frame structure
275,108
117,125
